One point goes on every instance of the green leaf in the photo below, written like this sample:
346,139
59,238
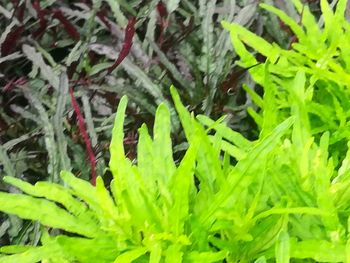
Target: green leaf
260,150
255,97
53,192
234,137
172,5
318,250
131,255
184,115
117,147
46,212
32,255
163,156
180,187
297,29
254,41
106,202
46,71
247,58
84,249
173,254
282,248
81,189
196,256
58,123
261,259
145,159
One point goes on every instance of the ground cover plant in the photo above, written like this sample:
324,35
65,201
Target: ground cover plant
281,197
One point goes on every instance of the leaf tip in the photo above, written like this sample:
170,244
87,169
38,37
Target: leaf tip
123,101
7,179
65,174
99,181
226,25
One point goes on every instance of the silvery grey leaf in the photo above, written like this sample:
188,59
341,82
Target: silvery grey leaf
45,70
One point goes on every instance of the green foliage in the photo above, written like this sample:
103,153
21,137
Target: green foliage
281,197
40,60
275,199
319,58
35,110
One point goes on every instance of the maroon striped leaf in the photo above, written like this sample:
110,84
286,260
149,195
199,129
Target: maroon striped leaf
163,22
71,30
20,12
161,8
129,34
10,42
84,134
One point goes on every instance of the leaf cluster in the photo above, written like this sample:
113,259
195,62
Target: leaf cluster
318,61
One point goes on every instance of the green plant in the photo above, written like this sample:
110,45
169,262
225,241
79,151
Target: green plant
282,197
204,209
321,51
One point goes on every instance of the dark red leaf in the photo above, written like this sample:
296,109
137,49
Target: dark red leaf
161,8
86,138
129,34
163,22
40,31
11,40
71,30
72,69
20,12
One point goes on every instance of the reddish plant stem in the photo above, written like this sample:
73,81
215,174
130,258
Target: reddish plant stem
84,134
